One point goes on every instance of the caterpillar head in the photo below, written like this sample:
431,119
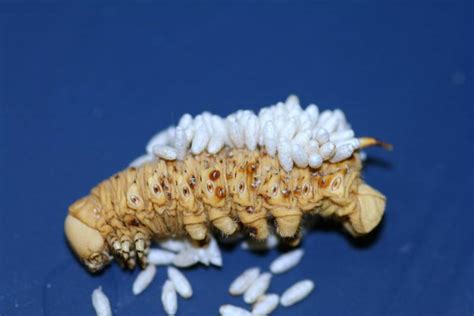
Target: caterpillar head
347,196
83,236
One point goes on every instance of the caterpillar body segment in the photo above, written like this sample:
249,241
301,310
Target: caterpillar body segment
231,190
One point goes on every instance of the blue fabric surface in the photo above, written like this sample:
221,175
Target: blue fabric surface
83,87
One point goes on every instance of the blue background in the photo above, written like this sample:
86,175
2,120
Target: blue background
83,88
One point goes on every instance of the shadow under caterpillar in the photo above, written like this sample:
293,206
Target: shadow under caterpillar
229,190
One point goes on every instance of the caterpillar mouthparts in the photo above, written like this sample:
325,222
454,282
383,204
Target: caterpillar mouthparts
232,174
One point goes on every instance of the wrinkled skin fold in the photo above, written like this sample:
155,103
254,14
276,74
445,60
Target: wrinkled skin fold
233,190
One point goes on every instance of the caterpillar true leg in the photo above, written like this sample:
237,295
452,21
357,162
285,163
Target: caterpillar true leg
140,246
115,244
125,247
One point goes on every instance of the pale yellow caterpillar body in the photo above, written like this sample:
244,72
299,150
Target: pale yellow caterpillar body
229,191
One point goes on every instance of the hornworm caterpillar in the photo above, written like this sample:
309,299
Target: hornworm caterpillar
230,190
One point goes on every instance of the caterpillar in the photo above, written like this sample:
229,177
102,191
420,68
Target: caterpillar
232,188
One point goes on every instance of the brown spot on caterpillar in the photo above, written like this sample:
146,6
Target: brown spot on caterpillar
256,182
241,187
251,168
297,190
214,175
220,192
322,183
131,220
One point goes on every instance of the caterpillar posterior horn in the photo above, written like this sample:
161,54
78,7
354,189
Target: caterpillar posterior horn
365,142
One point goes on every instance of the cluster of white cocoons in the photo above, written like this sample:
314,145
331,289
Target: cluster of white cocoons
297,136
252,283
